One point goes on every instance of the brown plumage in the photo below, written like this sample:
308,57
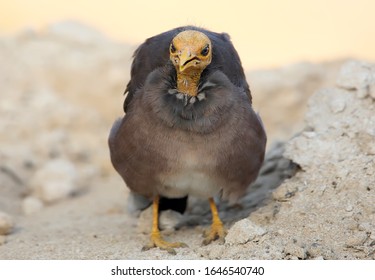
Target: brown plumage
202,138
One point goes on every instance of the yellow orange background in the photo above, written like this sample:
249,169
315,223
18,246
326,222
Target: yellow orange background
266,33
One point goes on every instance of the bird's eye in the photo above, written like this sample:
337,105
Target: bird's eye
205,50
172,48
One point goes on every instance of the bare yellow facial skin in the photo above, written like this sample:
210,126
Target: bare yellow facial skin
190,48
190,52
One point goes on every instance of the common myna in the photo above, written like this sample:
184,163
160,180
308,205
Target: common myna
189,127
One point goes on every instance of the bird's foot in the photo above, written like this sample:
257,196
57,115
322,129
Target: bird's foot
217,231
158,241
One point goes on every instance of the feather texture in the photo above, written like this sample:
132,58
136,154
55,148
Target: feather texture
154,53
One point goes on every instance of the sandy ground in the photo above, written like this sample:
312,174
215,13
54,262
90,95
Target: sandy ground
61,199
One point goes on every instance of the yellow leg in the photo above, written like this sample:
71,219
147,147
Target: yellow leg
156,239
217,230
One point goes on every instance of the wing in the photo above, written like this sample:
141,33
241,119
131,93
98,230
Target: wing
154,53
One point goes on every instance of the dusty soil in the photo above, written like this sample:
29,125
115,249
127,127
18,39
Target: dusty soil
61,89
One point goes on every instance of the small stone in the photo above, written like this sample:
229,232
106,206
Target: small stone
6,224
169,219
349,208
31,205
295,250
55,181
357,239
243,231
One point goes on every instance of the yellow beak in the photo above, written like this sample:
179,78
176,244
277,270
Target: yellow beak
185,58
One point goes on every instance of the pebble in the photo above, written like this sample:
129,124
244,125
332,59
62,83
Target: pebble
169,219
54,181
6,224
243,231
31,205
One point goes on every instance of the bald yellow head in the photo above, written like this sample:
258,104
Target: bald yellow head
190,50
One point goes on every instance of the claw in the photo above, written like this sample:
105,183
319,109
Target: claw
156,239
217,230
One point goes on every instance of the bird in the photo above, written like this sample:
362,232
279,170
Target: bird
189,127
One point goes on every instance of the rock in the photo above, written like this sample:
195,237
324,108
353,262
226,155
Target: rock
338,138
169,220
54,181
356,75
242,232
31,205
6,224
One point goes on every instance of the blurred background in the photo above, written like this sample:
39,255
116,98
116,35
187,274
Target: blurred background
64,66
266,33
